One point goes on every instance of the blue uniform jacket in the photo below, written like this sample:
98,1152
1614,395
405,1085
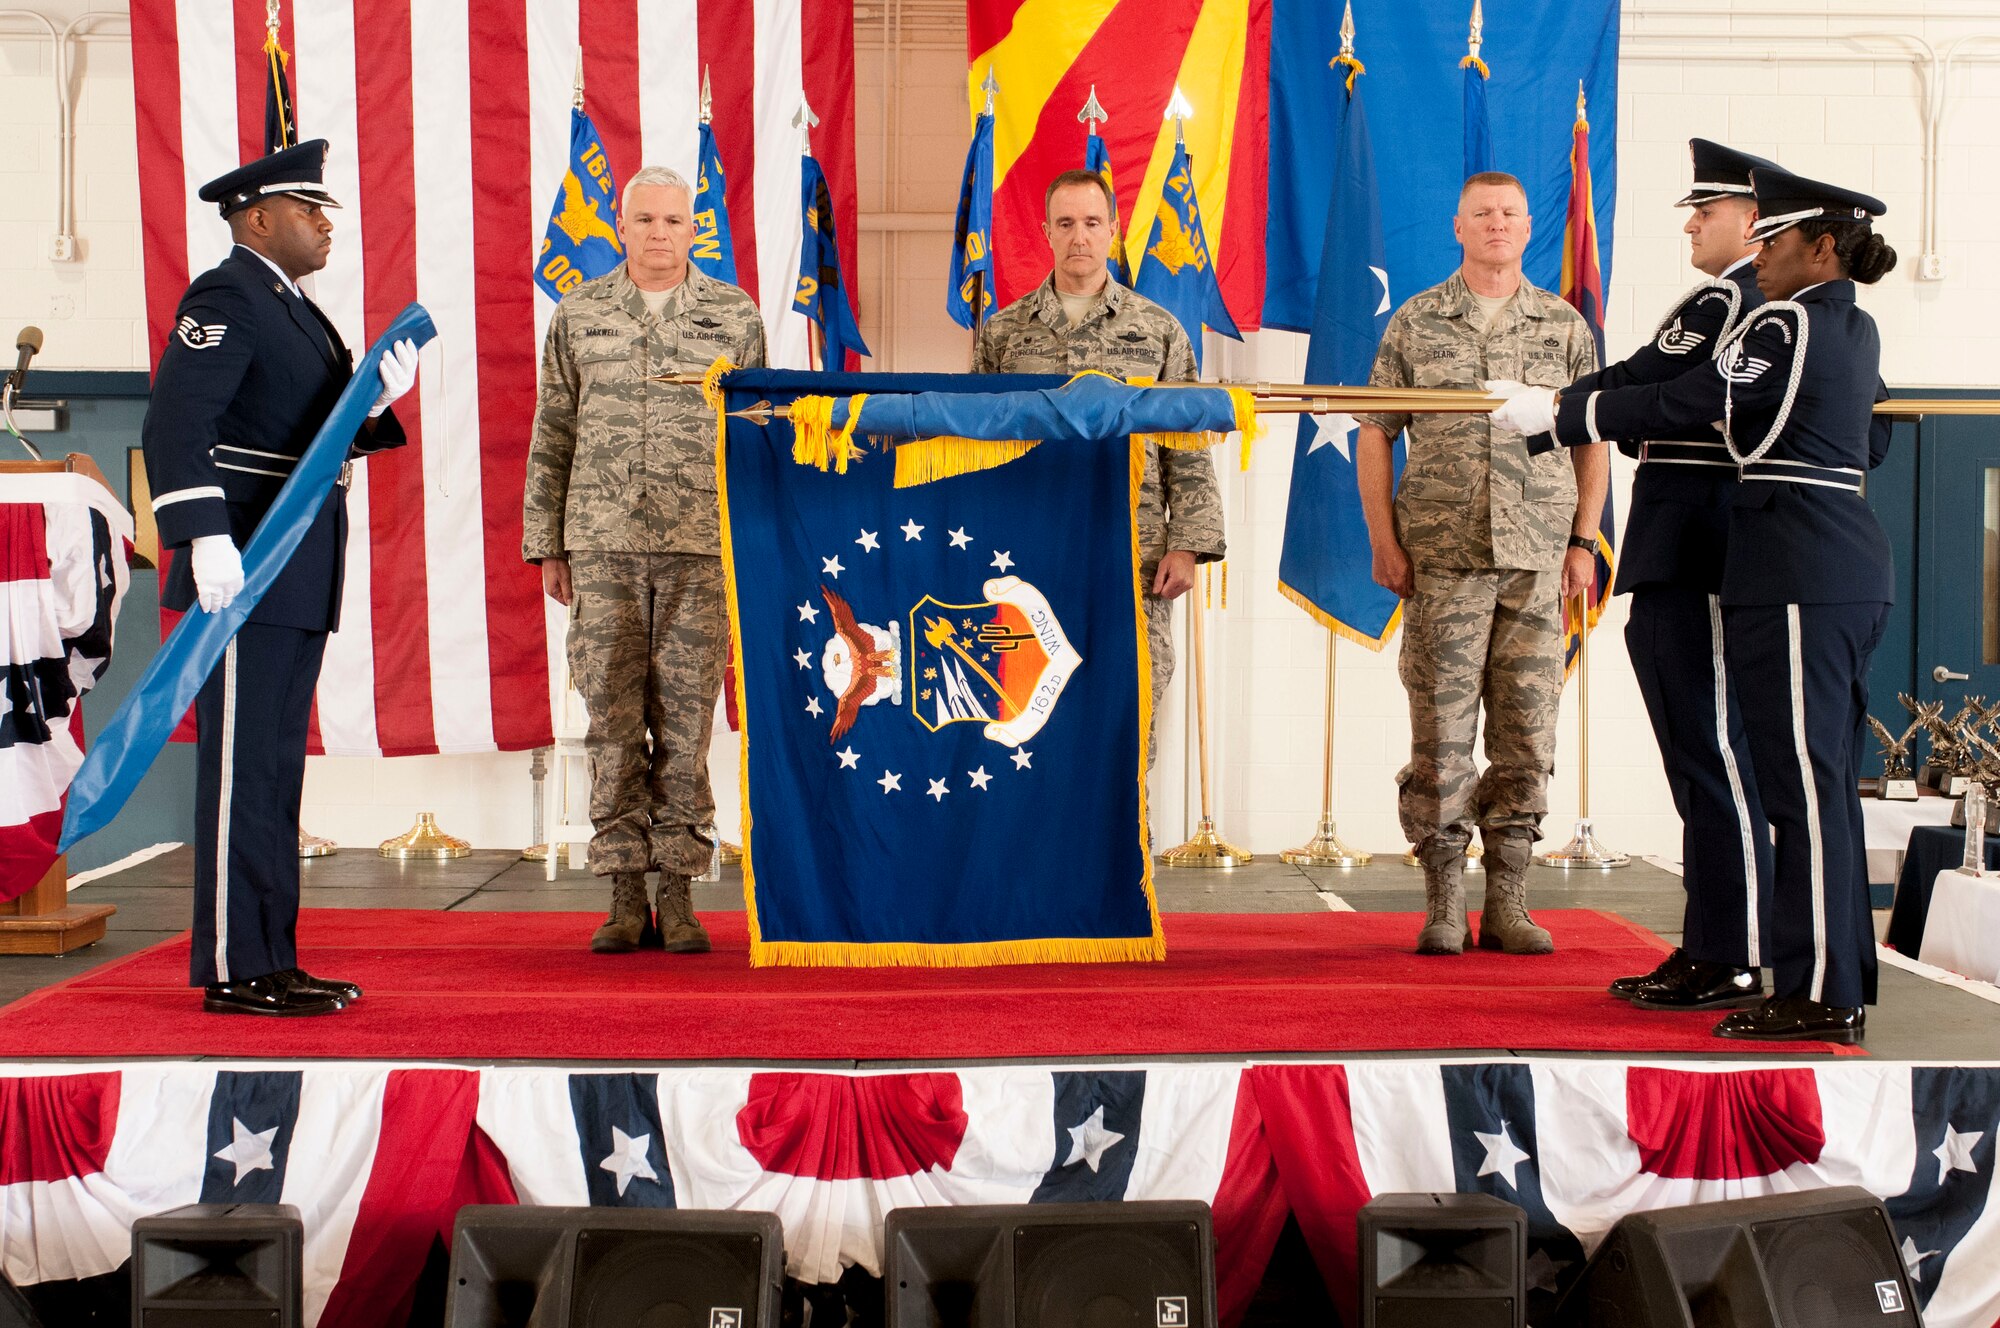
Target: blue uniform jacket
1679,521
1795,388
249,374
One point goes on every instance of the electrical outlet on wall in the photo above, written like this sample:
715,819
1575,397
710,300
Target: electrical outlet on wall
64,249
1930,267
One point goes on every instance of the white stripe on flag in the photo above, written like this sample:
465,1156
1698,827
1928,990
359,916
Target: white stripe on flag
1866,1113
1402,1136
528,1116
552,56
669,87
207,34
780,92
454,525
1184,1136
327,1170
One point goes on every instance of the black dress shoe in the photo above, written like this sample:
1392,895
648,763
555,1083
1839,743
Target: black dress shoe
1626,988
301,980
1795,1019
272,994
1701,985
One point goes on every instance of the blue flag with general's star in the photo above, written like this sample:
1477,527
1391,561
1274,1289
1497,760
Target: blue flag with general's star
1325,564
714,249
942,691
822,289
969,292
1097,160
1175,271
581,241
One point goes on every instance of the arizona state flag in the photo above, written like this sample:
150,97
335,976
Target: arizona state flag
822,289
1175,271
581,241
944,712
714,249
1583,289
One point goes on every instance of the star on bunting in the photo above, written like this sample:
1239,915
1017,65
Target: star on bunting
912,531
1090,1141
807,613
1503,1155
248,1150
627,1159
980,779
890,783
1912,1256
848,756
1955,1153
1002,561
959,539
868,542
938,790
1544,1273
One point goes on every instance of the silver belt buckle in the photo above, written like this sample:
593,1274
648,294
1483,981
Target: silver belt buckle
346,479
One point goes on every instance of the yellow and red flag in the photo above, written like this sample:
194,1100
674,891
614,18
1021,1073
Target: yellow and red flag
1583,288
1047,54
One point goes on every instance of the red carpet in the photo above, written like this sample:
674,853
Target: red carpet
521,986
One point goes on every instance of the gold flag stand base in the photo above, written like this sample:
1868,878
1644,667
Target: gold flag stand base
1206,849
1325,849
535,853
731,853
1473,853
312,846
424,842
1583,852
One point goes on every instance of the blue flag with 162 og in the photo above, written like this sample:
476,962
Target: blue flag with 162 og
581,241
714,248
942,698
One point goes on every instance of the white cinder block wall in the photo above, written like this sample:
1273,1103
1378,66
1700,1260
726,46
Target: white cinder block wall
1832,90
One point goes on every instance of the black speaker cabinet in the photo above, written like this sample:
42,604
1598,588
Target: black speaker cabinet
1821,1259
15,1311
513,1266
1442,1261
1085,1265
219,1266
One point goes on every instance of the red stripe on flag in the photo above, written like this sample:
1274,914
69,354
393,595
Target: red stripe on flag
398,591
1239,259
986,22
841,1127
156,97
828,71
1250,1209
725,31
504,230
251,75
57,1127
1309,1121
1706,1126
610,30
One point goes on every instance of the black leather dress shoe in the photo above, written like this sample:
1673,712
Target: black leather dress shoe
1626,988
1795,1019
301,980
1700,985
272,994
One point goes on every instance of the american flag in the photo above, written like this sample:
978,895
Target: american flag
448,125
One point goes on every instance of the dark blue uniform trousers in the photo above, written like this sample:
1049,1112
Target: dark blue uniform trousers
1675,640
1801,671
252,715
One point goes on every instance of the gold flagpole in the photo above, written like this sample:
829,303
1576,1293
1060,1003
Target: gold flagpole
1206,849
1583,850
1325,849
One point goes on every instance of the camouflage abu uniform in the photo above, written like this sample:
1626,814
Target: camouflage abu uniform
1486,527
1126,334
621,481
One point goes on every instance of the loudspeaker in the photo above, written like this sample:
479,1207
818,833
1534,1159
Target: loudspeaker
1822,1259
1442,1261
219,1266
1085,1265
15,1311
514,1265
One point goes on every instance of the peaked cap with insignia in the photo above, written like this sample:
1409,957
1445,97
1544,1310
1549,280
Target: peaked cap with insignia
297,171
1721,172
1784,200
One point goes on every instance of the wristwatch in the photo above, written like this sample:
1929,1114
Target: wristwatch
1583,542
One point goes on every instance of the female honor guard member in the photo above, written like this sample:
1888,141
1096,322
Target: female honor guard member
250,372
1806,580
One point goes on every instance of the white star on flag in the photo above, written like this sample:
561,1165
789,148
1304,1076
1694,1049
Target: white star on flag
848,756
1021,758
1090,1141
912,531
628,1159
807,613
1544,1273
1955,1153
1335,431
1912,1256
868,542
805,660
248,1150
959,539
937,790
1002,561
980,779
831,566
813,707
890,783
1503,1155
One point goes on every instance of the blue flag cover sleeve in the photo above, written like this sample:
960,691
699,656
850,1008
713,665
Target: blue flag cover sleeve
943,697
581,241
1087,406
146,719
714,250
1175,272
822,292
969,293
1325,564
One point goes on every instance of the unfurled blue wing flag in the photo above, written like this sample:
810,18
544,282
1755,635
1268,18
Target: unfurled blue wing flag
969,293
1176,272
1325,565
714,250
1097,160
822,290
581,241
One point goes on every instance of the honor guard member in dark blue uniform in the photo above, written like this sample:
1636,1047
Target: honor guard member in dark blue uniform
1806,580
250,372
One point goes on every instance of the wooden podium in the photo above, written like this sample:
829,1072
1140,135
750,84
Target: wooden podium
43,921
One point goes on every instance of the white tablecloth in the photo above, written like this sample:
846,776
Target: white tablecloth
1962,929
1886,830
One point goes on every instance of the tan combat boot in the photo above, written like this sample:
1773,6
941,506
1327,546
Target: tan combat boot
621,931
679,932
1504,923
1444,897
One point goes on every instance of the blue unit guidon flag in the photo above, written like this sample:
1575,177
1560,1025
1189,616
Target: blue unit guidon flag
943,714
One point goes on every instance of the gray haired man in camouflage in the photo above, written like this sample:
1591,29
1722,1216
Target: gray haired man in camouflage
1479,540
1079,319
621,513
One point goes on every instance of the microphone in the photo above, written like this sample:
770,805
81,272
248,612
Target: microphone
27,344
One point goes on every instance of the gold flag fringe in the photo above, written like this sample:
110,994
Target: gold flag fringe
926,460
1339,628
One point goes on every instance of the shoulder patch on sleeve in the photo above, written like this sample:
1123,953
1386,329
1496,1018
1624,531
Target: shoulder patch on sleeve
198,335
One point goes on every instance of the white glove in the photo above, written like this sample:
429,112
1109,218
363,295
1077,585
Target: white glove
399,375
1528,412
218,571
1504,388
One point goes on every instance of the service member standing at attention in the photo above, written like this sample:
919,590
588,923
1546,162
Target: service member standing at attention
1080,319
250,372
621,513
1484,543
1806,582
1671,564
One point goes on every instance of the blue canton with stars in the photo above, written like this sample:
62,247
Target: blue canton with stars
940,689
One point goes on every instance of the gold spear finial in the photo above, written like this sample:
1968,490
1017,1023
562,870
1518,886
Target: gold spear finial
1347,31
707,102
576,98
1179,110
1473,35
1579,103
